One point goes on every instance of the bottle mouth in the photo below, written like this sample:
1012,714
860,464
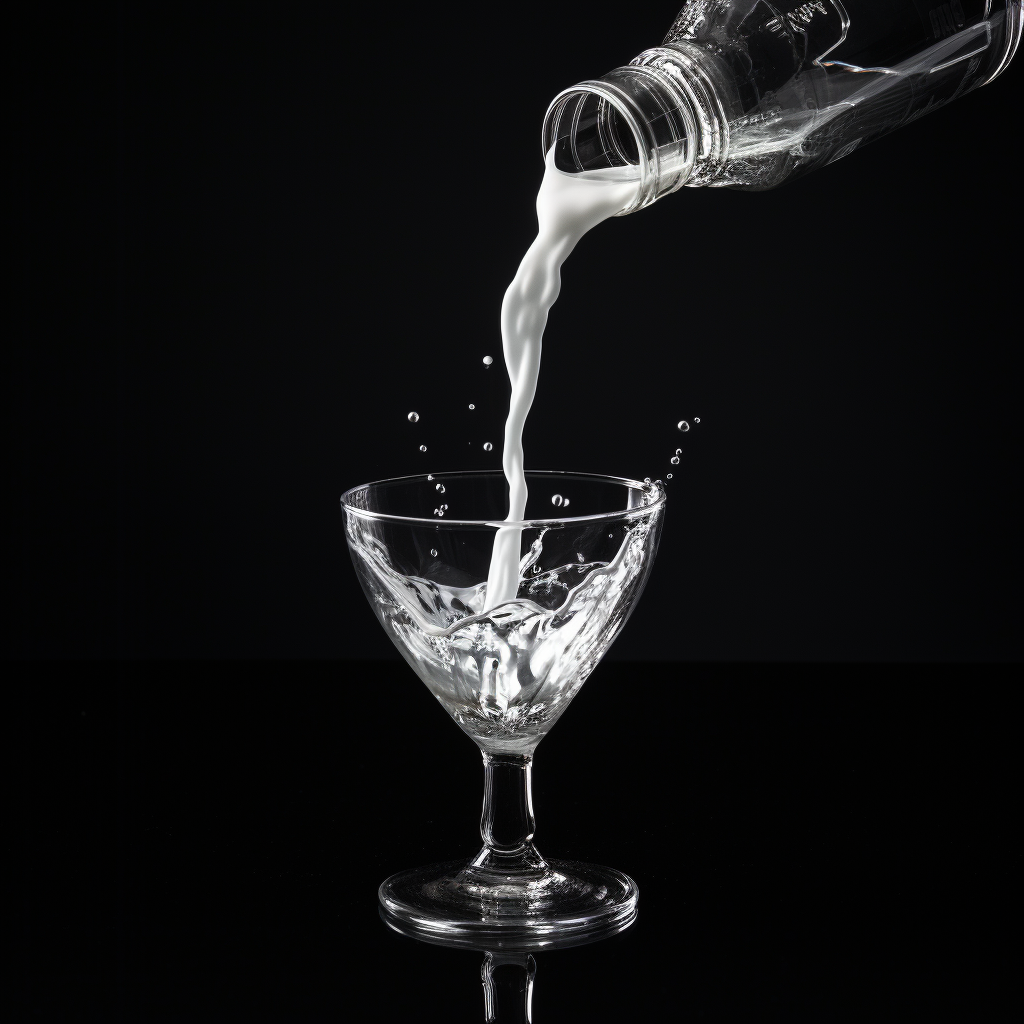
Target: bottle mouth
631,117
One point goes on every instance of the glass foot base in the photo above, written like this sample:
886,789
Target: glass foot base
486,900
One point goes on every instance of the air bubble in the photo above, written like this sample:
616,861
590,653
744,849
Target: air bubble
423,447
557,500
494,664
488,446
471,406
683,426
488,360
413,417
439,487
674,460
433,552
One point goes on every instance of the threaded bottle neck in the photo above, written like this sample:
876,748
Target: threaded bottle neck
656,115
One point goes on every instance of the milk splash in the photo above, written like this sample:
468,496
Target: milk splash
568,206
506,675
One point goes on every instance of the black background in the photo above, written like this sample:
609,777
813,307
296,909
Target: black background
254,238
260,234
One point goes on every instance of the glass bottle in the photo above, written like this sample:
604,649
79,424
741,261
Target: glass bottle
751,94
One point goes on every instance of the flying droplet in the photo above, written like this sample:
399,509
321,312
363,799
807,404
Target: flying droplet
488,446
413,417
430,476
472,406
579,556
433,552
668,476
696,419
423,447
683,426
611,536
674,460
565,503
439,487
488,360
557,500
679,451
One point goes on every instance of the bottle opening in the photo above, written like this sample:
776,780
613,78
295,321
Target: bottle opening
632,117
589,133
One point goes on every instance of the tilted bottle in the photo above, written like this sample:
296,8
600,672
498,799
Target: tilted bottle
750,93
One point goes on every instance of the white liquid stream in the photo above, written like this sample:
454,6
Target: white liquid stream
568,206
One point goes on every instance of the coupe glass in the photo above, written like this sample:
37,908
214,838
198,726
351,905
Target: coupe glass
422,546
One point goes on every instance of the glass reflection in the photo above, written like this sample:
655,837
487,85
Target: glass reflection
508,967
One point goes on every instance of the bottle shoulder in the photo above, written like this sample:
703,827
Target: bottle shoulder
803,84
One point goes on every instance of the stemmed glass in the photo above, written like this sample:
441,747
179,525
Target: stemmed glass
421,547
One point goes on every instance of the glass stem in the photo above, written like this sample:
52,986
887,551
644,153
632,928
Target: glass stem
507,822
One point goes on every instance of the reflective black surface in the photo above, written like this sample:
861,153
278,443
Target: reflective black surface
204,842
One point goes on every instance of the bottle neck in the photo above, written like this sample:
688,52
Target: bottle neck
661,115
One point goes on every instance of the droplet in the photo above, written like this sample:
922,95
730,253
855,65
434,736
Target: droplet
488,360
565,503
579,556
679,451
668,476
557,500
444,506
430,476
433,552
423,447
611,536
696,419
683,426
439,487
471,406
488,446
674,460
413,417
536,569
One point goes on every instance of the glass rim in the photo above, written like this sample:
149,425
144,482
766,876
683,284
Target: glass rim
627,513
